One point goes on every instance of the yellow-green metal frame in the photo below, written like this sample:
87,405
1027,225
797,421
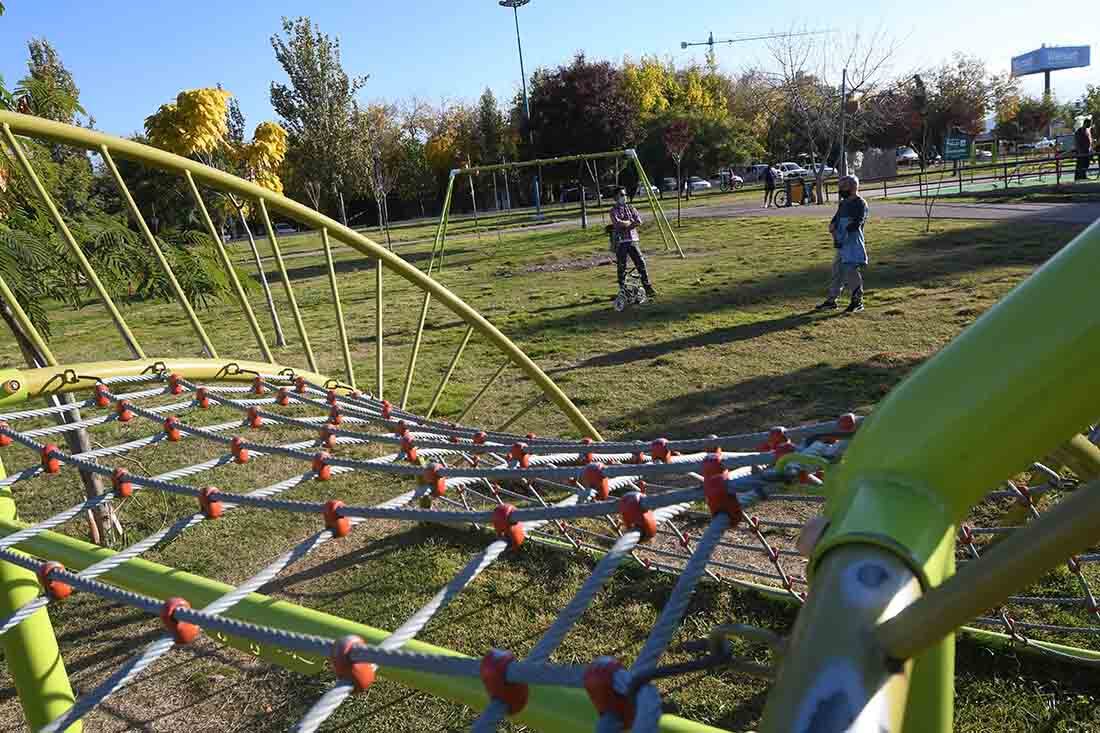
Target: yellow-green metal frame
278,254
349,368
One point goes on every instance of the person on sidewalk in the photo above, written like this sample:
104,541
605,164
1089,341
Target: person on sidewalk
1082,139
625,221
846,228
769,185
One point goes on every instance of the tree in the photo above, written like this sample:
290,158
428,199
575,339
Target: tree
581,107
677,136
317,108
48,90
809,78
376,161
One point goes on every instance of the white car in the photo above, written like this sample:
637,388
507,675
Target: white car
1046,144
983,154
792,170
640,190
284,228
907,156
698,184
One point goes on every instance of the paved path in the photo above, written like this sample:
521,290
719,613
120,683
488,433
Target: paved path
1072,213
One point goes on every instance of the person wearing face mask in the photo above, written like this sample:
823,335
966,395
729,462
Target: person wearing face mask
846,227
625,221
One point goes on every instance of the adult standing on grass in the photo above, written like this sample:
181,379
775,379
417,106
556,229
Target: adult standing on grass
1082,139
625,221
846,227
769,185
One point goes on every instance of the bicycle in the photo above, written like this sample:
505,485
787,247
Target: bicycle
631,292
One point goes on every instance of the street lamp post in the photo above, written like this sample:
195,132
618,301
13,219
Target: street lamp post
515,5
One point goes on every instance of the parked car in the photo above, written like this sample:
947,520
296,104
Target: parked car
792,170
907,156
573,195
983,154
1025,147
695,183
1045,144
669,184
640,190
829,171
284,228
755,172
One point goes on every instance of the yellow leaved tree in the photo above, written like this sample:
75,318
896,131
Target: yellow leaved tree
196,126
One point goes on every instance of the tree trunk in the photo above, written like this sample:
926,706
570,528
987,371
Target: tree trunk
280,339
101,520
386,216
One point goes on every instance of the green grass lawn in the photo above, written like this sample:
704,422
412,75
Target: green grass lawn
730,345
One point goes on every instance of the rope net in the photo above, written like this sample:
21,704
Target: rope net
725,508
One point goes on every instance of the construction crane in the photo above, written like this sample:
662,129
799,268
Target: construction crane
711,42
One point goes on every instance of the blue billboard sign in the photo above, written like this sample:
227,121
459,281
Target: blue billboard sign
1050,58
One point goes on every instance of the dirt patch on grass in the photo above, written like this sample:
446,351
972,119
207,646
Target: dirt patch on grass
581,264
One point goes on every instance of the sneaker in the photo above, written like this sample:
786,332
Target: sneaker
854,307
650,291
828,305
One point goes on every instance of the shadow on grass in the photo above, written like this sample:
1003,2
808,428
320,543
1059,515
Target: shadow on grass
812,393
342,266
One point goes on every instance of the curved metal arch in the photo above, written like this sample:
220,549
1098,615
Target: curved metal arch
36,127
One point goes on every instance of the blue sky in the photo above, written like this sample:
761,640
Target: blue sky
129,56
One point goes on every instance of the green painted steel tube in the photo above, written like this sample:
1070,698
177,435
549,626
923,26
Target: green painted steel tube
548,708
90,139
378,327
298,322
657,208
230,271
135,213
70,242
444,224
542,161
1080,456
25,323
643,181
30,649
481,393
415,350
341,326
449,372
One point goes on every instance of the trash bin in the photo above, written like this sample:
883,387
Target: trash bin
795,190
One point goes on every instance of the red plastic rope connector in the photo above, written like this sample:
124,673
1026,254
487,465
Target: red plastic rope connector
408,447
387,409
240,453
520,455
659,450
181,631
599,679
505,528
300,385
846,422
321,467
5,439
122,407
327,438
258,387
359,674
282,397
174,384
719,499
334,415
56,590
531,436
432,479
202,398
480,437
712,465
592,477
588,457
713,447
101,398
338,525
783,449
330,397
172,428
50,462
494,674
777,436
401,428
253,418
634,517
637,458
210,508
120,484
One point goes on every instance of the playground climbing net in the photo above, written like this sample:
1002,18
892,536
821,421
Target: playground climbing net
728,508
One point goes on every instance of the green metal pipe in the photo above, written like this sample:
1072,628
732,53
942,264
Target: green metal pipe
91,140
415,349
30,649
230,272
444,224
135,212
482,391
25,323
349,369
643,181
74,248
1080,456
541,161
298,322
449,372
658,210
548,708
